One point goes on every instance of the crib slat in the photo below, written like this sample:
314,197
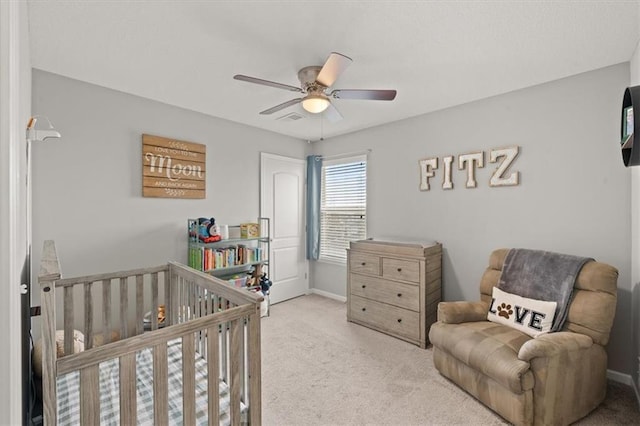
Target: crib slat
49,373
242,373
175,298
154,301
160,397
188,380
68,320
187,301
89,396
177,302
140,304
106,311
128,402
183,300
202,335
195,312
88,316
170,287
199,302
224,362
196,302
190,299
235,379
255,374
213,372
202,298
124,303
183,297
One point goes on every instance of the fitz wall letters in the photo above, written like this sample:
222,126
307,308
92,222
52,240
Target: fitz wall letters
503,175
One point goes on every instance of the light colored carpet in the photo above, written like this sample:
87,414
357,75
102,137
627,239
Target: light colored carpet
319,369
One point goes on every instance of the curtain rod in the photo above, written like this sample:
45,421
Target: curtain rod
346,154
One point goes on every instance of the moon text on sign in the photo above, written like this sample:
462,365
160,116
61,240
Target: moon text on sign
164,165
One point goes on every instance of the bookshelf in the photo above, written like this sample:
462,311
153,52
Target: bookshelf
237,259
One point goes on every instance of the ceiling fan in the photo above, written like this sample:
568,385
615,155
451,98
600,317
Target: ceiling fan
315,84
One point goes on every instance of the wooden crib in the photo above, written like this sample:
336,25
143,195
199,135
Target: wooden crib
213,328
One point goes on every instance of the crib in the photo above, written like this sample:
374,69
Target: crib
141,368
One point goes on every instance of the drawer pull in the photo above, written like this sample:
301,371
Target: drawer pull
399,294
364,286
364,309
399,269
364,263
399,319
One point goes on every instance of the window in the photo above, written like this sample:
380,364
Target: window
343,206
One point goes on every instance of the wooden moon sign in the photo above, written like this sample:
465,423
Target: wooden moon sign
173,168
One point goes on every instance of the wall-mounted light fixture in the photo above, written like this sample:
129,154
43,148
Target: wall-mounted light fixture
40,128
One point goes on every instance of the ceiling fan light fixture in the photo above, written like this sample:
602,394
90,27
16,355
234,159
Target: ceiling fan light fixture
315,104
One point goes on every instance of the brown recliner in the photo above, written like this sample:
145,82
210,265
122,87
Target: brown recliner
553,379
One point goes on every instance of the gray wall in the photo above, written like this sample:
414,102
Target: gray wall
87,185
573,196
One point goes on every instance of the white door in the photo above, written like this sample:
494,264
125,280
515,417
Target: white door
282,192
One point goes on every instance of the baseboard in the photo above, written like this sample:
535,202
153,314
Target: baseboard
619,377
625,379
328,295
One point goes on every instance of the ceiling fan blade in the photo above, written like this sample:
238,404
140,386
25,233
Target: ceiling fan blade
266,83
332,113
370,95
334,66
281,106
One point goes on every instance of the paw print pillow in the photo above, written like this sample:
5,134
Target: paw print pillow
531,316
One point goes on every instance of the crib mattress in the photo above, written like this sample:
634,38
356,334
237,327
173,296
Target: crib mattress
69,399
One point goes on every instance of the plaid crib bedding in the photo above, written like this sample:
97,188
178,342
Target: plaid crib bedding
69,399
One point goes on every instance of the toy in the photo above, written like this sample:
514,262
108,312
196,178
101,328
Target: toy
207,230
265,284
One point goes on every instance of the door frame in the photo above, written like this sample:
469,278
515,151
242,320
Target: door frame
15,107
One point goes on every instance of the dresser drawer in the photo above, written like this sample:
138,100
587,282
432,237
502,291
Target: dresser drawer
386,317
402,295
364,263
397,269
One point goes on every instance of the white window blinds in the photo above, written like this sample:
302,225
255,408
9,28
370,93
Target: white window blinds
343,206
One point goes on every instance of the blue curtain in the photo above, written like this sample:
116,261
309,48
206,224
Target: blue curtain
314,186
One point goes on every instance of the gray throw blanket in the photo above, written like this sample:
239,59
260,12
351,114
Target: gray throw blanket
542,275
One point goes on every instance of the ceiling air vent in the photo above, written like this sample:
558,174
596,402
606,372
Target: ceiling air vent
293,116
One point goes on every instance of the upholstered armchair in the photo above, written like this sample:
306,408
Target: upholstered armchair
551,379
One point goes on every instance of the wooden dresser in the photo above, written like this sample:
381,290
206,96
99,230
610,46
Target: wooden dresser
394,287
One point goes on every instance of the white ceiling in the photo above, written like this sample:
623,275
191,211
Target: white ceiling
437,54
